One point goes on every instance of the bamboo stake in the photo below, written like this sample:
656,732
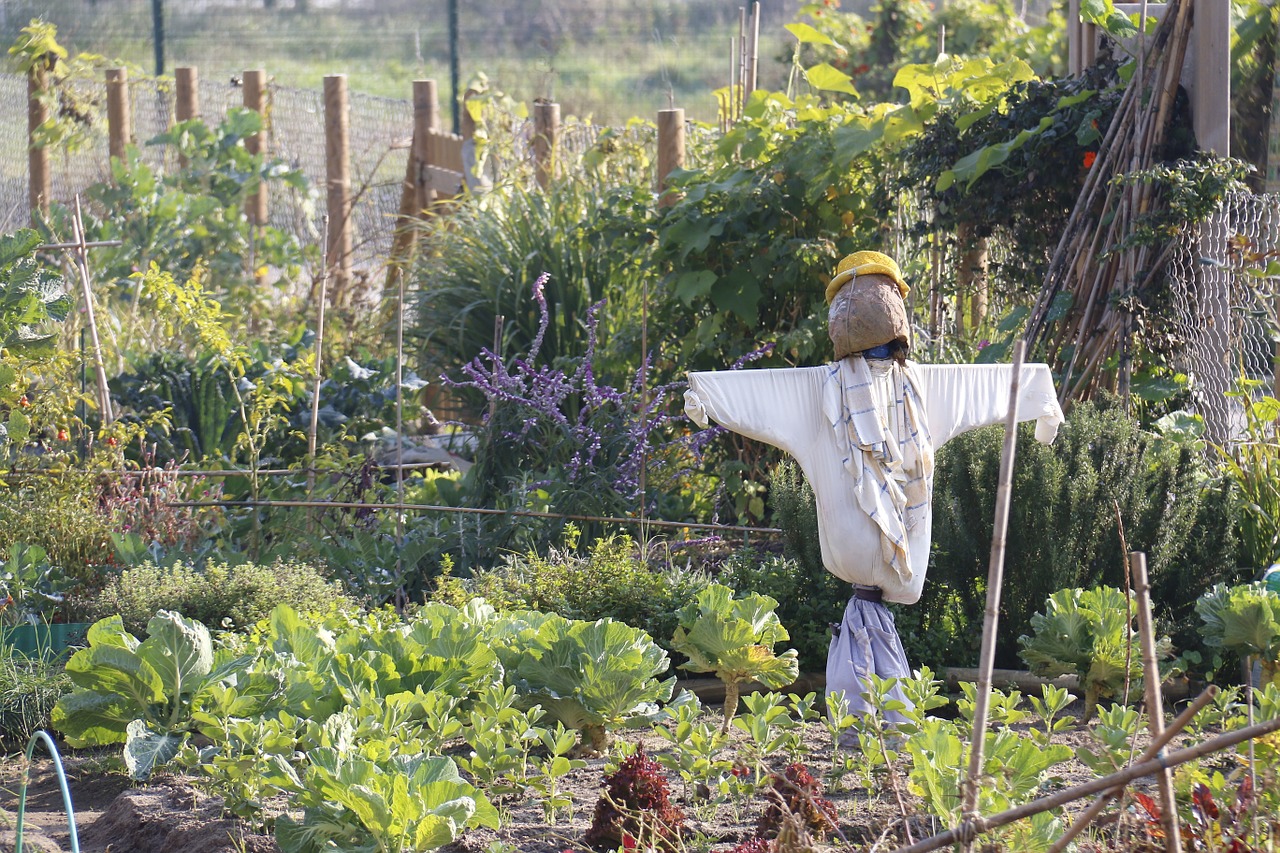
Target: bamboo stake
1175,728
970,829
995,578
86,290
315,396
1155,702
753,50
400,593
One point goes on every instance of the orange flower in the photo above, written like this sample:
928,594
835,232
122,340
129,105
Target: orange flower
1089,158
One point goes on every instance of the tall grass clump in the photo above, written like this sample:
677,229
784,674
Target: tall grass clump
488,257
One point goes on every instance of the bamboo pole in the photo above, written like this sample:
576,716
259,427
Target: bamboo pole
1153,749
254,82
995,579
315,394
740,73
970,829
86,292
337,162
1155,702
546,131
753,51
119,122
38,175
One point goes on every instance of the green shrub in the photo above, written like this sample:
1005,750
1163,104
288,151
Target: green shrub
611,580
219,595
1063,531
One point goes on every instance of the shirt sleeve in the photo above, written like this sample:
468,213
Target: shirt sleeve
778,407
961,397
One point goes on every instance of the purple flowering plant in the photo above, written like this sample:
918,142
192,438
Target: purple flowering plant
558,438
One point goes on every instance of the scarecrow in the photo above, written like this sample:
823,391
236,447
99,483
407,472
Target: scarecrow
864,429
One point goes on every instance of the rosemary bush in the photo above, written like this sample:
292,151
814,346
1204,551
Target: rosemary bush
1063,530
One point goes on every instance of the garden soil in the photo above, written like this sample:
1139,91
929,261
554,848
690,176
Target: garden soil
173,814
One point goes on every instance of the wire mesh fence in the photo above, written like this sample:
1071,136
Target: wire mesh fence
380,136
1228,308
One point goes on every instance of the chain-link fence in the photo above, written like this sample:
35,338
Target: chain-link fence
1228,307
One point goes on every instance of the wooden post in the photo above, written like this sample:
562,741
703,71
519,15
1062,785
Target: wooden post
187,98
255,98
670,150
411,204
1155,701
546,130
40,184
338,178
119,122
426,120
1211,97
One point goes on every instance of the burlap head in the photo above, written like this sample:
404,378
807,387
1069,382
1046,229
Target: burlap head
866,304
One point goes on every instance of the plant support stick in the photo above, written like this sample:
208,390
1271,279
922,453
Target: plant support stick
1155,702
995,577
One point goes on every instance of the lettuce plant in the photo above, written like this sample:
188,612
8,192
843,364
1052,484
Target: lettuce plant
635,810
1089,633
591,676
141,693
734,638
1244,619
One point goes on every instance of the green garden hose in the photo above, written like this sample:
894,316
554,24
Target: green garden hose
62,783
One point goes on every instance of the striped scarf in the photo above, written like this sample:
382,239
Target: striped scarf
889,459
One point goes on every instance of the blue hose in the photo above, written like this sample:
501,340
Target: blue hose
62,783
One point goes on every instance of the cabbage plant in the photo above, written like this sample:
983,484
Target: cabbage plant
405,803
592,676
1244,619
142,693
1089,633
734,638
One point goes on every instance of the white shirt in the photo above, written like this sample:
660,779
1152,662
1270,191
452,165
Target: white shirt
786,408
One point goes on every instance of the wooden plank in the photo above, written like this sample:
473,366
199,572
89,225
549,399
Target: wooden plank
442,181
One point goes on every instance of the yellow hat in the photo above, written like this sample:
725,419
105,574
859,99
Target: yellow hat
865,263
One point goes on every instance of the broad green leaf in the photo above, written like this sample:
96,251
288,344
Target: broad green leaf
828,78
109,669
179,650
87,718
738,293
110,632
806,34
147,749
694,285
